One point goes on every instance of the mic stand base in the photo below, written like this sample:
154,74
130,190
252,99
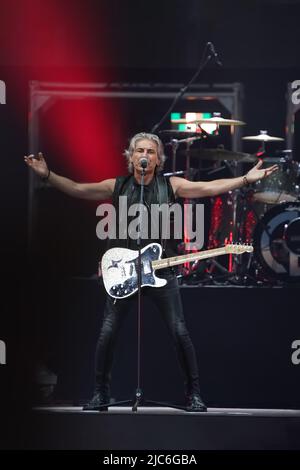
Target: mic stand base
139,401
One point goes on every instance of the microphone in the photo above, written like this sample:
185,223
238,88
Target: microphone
213,52
143,163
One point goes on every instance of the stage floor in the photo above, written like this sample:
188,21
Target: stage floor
168,410
163,428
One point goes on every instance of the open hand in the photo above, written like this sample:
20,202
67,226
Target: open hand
256,173
38,164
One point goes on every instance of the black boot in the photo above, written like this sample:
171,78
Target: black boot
194,403
99,399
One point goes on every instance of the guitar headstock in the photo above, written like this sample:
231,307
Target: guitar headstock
238,248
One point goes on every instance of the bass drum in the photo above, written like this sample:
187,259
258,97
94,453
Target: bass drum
276,242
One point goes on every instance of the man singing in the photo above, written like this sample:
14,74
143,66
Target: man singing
158,190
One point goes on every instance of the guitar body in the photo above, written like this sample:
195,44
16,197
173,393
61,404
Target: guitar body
120,270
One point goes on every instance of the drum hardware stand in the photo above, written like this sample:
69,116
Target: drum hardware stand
220,168
234,277
206,276
205,270
243,192
245,275
226,277
175,145
207,55
233,200
212,263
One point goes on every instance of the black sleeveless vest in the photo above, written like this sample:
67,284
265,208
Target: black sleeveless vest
158,191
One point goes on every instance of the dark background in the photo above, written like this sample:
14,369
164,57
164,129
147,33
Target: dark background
121,41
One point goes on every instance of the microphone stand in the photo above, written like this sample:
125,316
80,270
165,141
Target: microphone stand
204,61
138,392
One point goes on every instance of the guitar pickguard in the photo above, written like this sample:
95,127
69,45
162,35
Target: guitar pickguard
120,270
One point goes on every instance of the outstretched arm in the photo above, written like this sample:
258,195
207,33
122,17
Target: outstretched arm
93,191
195,189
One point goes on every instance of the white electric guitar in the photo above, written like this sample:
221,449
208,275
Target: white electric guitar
120,266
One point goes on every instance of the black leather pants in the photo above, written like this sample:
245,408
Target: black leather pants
168,301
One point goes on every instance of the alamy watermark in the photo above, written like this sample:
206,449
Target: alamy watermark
296,94
2,343
187,222
2,92
2,352
295,358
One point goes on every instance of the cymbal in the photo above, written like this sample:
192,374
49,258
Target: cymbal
214,120
263,137
220,154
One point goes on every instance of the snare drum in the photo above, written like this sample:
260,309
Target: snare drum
282,186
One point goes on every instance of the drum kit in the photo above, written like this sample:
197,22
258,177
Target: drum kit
266,215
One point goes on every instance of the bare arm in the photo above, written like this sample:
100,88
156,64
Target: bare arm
197,189
93,191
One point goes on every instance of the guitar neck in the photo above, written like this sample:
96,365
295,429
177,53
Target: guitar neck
175,260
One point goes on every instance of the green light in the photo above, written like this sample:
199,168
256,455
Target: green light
175,116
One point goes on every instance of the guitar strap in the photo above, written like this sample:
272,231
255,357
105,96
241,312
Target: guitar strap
162,191
120,182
